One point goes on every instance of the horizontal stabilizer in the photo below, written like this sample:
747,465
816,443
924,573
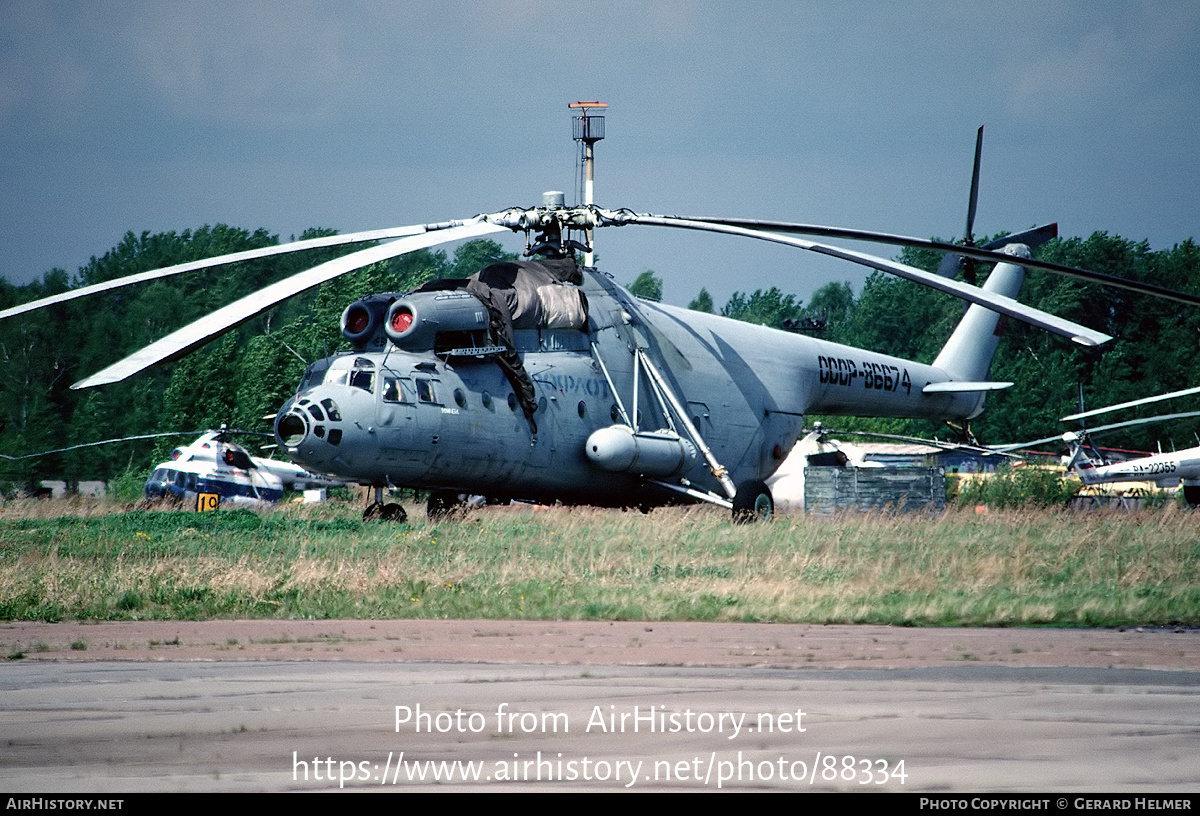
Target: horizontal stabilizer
964,387
1032,238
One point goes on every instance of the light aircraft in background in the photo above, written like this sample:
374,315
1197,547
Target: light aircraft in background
215,471
1088,462
1166,470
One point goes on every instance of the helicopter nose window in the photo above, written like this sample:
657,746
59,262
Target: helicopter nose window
335,436
316,413
331,408
292,429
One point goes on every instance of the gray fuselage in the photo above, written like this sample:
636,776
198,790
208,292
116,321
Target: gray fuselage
390,416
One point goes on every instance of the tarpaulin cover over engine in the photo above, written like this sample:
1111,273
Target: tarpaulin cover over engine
525,294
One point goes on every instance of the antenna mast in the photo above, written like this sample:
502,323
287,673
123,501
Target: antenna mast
589,129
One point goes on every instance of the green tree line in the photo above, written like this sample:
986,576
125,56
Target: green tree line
239,379
243,377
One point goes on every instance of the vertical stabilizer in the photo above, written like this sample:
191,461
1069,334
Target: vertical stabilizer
968,353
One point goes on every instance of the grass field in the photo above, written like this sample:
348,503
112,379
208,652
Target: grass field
1015,567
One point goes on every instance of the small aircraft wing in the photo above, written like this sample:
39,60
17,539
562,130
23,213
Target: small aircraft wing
196,334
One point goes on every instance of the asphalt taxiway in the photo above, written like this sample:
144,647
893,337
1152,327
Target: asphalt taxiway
596,706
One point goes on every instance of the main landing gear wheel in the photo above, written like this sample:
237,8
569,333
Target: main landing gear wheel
1191,494
443,504
378,511
753,502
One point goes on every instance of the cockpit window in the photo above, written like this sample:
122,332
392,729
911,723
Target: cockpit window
363,375
393,391
425,390
313,375
363,379
358,372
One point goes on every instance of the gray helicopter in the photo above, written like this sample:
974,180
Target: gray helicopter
543,379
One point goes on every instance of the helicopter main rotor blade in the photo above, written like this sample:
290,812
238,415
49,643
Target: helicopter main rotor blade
95,444
196,334
933,443
978,253
1024,445
1092,431
1132,404
1129,423
999,303
218,260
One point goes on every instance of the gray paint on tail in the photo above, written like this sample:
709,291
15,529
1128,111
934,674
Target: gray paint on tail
968,353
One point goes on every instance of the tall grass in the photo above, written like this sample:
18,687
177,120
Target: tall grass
1010,567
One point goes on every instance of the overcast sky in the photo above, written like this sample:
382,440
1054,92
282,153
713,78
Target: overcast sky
159,115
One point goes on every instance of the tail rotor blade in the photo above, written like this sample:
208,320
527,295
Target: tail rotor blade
951,265
969,235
